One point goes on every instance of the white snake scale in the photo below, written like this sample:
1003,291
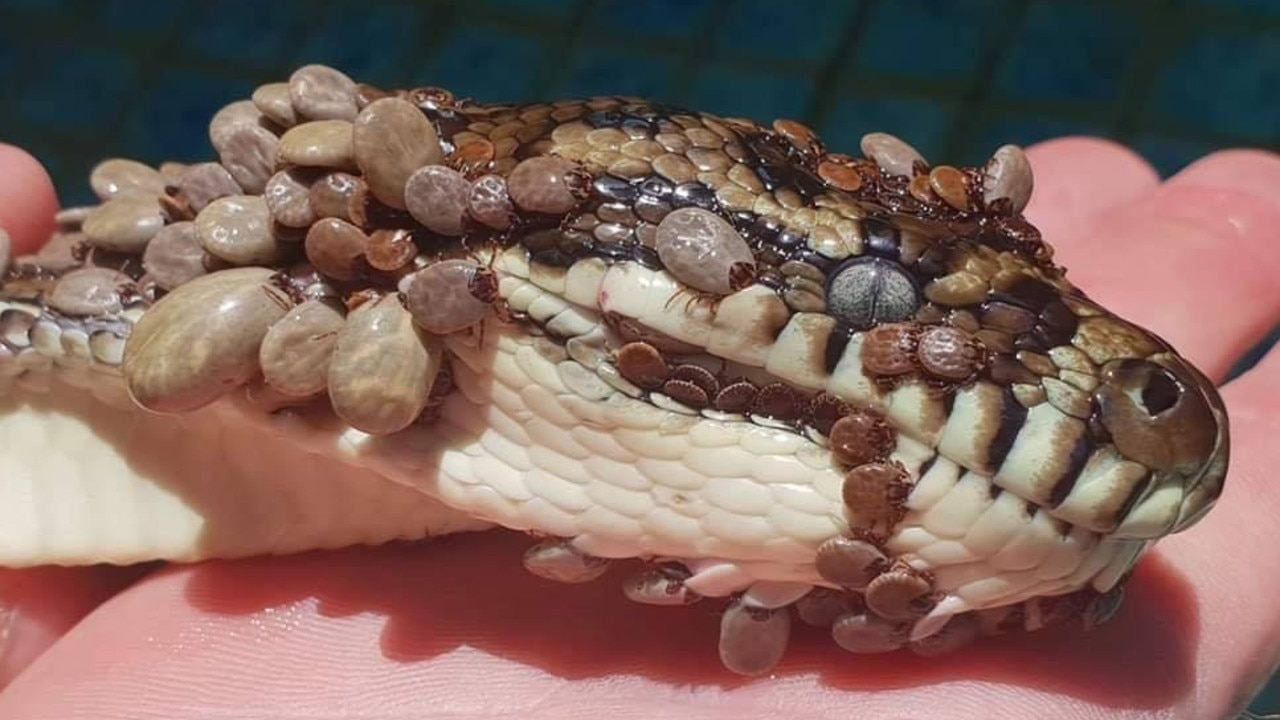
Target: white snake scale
856,390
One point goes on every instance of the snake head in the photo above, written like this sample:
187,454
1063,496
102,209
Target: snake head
768,374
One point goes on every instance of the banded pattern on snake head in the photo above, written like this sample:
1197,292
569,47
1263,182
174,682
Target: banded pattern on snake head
856,391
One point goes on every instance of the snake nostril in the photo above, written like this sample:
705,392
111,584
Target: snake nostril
1161,392
1157,415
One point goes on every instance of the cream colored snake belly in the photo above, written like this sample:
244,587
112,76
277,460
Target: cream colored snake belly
853,391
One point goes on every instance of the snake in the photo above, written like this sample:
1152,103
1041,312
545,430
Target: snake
854,392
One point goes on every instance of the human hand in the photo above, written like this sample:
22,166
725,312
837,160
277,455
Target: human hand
455,628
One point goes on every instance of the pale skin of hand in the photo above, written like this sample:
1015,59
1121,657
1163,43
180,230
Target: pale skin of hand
456,629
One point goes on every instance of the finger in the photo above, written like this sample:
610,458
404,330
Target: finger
456,630
1195,260
27,199
37,606
1078,178
1231,558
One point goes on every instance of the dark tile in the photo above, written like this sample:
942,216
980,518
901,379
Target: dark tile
922,122
351,29
537,7
754,94
805,31
79,89
1169,154
1248,9
488,63
927,39
49,7
12,47
641,21
154,21
171,121
1225,83
1070,52
68,169
607,71
265,34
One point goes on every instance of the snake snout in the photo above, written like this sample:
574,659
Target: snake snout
1163,413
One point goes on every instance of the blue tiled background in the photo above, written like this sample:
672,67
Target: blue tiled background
1174,78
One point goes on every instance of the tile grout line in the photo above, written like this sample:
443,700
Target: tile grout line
973,110
562,41
841,69
439,20
694,54
150,66
1145,68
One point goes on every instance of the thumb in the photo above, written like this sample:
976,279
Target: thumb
27,200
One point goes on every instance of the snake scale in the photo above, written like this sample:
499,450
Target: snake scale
853,391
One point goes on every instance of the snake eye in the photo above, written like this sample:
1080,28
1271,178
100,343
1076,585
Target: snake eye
1161,392
865,292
